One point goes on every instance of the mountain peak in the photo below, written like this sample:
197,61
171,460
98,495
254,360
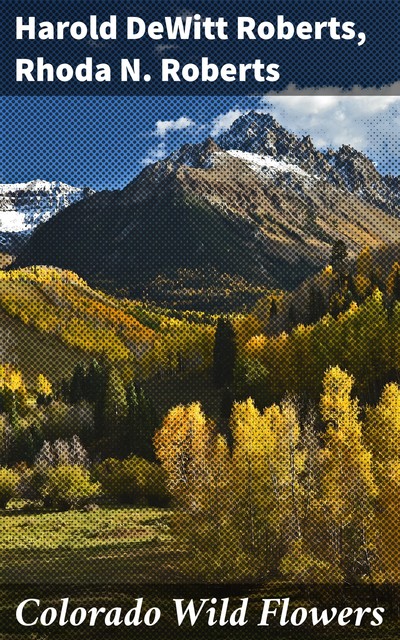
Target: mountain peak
261,118
197,156
25,205
258,205
253,132
261,134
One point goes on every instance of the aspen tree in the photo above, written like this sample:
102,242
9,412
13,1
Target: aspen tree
382,436
197,462
382,426
388,524
347,484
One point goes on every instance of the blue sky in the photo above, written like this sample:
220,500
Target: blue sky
104,142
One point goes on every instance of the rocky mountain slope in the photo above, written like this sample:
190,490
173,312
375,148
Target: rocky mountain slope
258,207
345,168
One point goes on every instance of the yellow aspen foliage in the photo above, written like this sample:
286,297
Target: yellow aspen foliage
372,351
11,379
246,327
197,463
347,482
301,566
184,446
382,428
388,525
255,347
44,387
340,413
266,468
281,502
327,271
254,441
15,382
362,284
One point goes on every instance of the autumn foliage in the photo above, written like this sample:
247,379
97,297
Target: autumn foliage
293,471
287,500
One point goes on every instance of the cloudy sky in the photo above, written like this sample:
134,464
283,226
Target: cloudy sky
105,142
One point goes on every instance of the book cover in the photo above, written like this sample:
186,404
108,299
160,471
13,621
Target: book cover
199,319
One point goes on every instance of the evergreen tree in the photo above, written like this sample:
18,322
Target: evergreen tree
224,353
44,391
396,286
273,310
292,316
132,444
94,382
377,281
339,260
25,443
35,438
65,388
316,304
352,288
141,423
115,404
393,283
77,386
335,306
226,406
94,391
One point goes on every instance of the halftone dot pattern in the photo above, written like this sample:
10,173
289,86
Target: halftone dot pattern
337,59
199,372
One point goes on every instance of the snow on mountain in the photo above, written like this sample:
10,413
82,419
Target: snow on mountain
258,206
23,206
261,163
275,153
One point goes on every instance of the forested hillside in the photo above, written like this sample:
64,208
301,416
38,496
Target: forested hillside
45,310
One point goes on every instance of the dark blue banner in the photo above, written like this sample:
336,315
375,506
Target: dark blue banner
121,48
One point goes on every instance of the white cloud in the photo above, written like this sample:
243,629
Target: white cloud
224,121
360,117
363,118
165,126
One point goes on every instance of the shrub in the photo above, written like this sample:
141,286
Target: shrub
133,481
68,486
151,481
4,439
31,481
111,477
9,480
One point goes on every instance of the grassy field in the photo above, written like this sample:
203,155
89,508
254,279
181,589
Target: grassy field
110,556
114,545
